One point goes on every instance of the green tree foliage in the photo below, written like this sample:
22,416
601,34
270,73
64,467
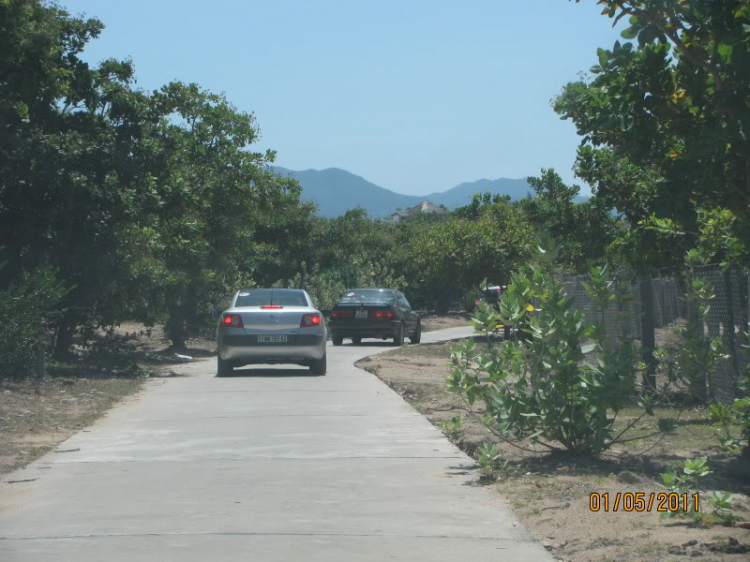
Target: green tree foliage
349,251
210,193
453,257
147,205
65,139
665,120
583,231
25,318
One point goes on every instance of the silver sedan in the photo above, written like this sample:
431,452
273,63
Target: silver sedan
271,326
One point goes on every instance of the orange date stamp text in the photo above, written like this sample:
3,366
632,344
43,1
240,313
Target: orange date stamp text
640,502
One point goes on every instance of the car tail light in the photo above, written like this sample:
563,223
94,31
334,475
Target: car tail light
233,321
342,314
272,306
382,314
310,321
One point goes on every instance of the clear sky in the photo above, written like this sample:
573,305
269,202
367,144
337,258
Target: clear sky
414,95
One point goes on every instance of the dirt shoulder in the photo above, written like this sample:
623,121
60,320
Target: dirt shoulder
36,417
550,493
432,322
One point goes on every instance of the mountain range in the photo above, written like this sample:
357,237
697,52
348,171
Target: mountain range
336,191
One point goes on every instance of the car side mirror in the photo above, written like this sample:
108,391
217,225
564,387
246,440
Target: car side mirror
215,314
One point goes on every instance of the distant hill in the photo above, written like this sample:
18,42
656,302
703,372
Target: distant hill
462,194
336,191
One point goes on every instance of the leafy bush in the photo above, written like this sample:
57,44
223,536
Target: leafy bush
489,457
454,428
685,483
28,306
695,356
543,389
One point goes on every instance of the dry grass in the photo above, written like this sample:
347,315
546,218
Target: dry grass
34,418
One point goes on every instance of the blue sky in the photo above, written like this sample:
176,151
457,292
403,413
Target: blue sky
414,95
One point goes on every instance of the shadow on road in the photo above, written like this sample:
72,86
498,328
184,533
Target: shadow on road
265,372
386,343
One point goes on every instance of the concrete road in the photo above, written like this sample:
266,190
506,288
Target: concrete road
270,465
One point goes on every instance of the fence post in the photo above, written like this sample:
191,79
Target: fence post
648,341
731,335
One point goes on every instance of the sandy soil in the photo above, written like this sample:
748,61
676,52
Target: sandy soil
432,322
550,493
36,417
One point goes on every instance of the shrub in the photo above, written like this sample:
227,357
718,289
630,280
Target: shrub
28,306
544,390
685,483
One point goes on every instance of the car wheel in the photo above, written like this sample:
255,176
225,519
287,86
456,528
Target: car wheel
398,339
337,340
356,341
417,337
318,366
224,368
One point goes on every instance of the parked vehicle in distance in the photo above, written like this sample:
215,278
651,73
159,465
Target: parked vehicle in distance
374,313
492,295
271,326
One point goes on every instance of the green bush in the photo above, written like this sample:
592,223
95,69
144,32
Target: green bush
544,390
28,306
685,484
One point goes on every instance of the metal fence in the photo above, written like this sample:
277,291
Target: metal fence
727,316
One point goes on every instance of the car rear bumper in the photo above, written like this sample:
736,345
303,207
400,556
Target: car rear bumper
369,330
245,349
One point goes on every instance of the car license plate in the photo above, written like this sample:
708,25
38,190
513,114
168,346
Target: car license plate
271,339
361,314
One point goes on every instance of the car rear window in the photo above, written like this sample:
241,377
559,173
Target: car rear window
375,296
262,297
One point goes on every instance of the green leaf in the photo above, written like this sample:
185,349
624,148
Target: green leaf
603,57
725,50
629,33
588,348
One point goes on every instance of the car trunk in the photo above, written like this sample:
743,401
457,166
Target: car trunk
272,321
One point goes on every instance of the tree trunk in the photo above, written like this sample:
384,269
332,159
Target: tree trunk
66,329
175,325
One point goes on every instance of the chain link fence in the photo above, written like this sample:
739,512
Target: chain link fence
727,317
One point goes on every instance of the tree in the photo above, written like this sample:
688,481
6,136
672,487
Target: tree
583,231
70,138
453,257
665,121
144,204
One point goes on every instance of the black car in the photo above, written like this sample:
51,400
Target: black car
374,313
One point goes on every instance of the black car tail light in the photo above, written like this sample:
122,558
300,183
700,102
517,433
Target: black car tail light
382,314
342,314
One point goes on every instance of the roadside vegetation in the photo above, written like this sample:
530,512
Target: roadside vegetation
119,204
122,205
